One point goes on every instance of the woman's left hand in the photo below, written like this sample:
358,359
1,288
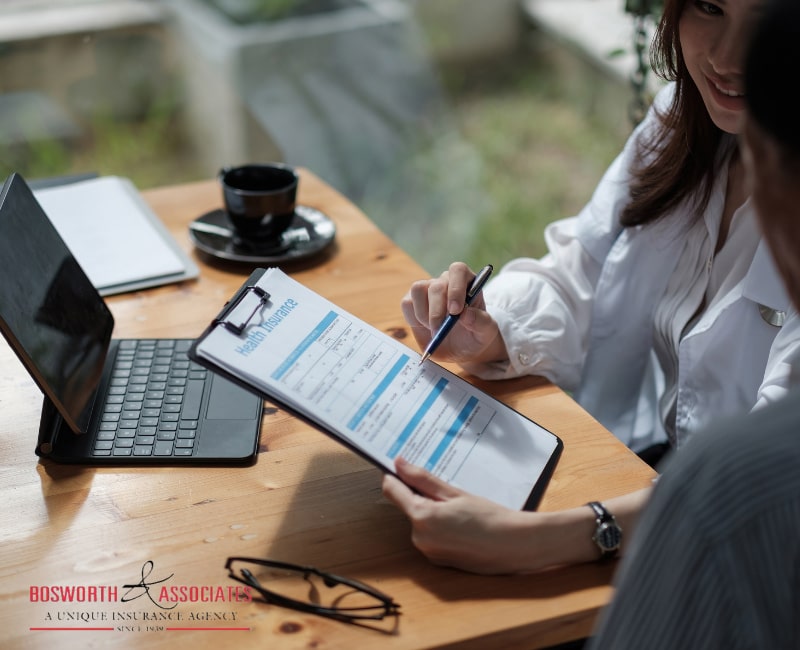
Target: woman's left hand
454,528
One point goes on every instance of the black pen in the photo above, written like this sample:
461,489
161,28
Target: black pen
473,290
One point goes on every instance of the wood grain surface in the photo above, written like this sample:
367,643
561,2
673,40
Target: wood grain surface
66,529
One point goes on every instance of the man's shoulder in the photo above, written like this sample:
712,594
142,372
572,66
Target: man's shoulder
715,473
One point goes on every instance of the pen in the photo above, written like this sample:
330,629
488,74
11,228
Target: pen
473,290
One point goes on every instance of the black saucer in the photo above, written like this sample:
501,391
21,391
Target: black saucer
310,233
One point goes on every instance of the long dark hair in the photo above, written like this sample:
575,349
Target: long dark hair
681,159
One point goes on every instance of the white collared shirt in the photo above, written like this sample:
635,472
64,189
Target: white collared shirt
595,315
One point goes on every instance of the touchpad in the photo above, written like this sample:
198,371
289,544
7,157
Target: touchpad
230,402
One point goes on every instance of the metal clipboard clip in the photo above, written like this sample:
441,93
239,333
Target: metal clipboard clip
237,327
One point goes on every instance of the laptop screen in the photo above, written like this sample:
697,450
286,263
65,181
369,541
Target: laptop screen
50,313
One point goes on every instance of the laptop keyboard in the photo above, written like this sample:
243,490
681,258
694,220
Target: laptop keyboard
152,405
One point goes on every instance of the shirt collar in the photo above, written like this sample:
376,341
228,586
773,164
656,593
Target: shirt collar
763,284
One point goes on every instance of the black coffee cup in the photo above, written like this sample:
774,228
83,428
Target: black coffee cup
260,200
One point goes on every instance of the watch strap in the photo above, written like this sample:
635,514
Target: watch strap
600,512
607,535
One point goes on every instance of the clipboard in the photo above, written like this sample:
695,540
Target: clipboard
284,342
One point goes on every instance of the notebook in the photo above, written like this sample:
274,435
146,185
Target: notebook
370,392
106,401
107,226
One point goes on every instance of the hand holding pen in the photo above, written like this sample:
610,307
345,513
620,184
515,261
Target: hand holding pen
473,290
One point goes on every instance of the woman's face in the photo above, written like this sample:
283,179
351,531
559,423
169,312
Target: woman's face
714,37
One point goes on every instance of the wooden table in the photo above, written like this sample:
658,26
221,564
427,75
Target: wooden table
306,500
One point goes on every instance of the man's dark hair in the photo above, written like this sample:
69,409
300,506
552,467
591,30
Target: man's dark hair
770,72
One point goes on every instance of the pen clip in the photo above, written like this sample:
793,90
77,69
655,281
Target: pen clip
477,282
238,328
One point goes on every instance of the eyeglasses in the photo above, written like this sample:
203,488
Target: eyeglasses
308,589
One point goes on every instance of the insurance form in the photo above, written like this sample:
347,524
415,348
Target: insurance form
366,389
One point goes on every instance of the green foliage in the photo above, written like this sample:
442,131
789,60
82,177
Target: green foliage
542,155
150,152
644,7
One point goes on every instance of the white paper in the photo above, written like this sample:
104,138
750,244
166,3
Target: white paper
111,231
368,388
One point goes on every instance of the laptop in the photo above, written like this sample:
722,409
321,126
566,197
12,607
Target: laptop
106,400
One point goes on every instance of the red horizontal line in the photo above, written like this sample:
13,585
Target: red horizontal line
72,629
208,629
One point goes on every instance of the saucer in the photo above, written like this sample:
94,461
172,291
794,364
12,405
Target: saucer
310,232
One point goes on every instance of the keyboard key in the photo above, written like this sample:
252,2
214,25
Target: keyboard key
163,448
192,400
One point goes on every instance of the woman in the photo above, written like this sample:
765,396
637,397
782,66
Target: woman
658,305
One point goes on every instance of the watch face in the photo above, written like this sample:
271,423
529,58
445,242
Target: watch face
608,536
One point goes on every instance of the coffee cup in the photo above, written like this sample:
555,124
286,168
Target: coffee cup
260,200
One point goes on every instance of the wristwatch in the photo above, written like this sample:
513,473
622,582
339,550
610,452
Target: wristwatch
607,535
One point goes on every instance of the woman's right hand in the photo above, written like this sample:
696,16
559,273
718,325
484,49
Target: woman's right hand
475,337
